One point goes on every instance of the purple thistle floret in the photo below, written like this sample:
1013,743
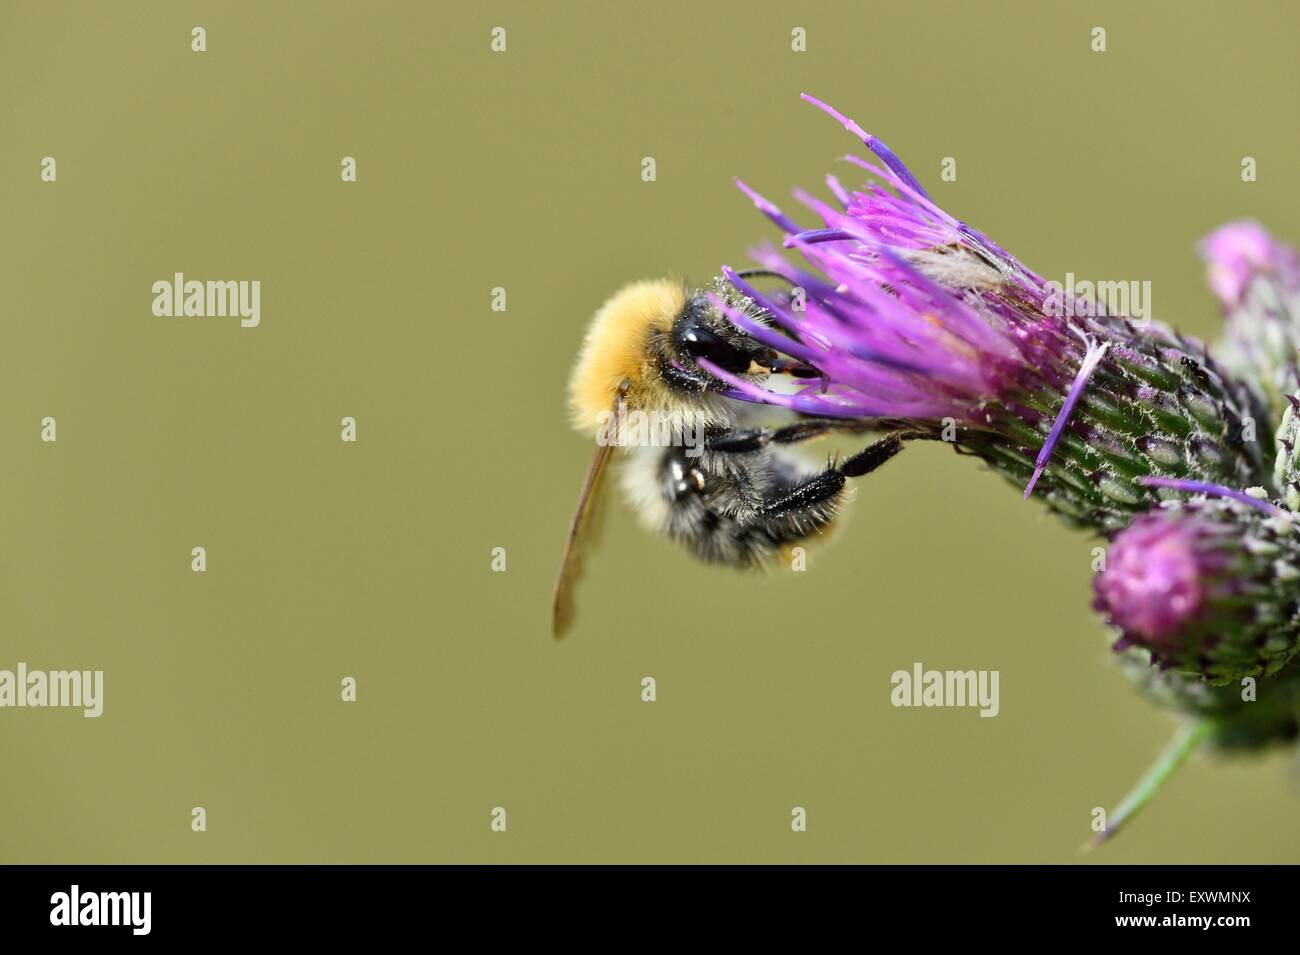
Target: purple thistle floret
1237,253
1159,574
913,317
1257,281
1090,360
1214,490
875,145
892,338
1206,587
894,341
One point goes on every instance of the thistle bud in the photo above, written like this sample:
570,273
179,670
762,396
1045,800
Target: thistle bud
1243,714
1209,588
1257,281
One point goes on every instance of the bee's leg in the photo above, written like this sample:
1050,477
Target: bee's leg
825,485
737,509
819,487
744,441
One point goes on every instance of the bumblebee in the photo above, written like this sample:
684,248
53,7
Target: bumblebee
700,468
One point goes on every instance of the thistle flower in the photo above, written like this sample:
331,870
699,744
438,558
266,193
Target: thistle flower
917,322
1207,596
1240,254
1257,281
1208,587
912,316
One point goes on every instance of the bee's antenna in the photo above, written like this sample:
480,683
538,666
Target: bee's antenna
765,273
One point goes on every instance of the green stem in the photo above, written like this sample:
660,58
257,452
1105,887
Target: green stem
1185,742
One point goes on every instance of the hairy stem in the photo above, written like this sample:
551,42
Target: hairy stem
1185,742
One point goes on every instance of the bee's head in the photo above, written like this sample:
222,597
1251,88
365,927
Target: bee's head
643,349
701,331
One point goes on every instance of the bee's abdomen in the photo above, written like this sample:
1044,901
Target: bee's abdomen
741,510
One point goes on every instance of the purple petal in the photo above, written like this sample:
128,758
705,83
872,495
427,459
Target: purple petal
1090,360
1213,490
875,145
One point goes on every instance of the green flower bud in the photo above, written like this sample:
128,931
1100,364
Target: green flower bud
1207,588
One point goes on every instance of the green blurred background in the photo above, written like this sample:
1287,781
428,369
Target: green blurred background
372,560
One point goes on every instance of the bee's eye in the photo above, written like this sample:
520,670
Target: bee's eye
698,342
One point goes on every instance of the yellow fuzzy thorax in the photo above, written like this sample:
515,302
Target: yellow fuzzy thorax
616,349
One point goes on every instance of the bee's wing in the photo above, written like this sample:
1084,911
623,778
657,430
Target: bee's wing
571,564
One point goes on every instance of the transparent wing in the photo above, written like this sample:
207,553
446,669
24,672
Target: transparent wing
582,535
